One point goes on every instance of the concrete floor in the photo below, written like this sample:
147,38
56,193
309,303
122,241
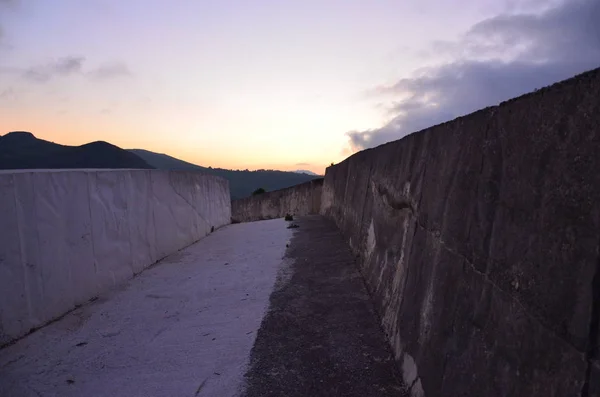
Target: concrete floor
189,321
188,326
321,335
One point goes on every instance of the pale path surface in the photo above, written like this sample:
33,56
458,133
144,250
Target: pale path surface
184,327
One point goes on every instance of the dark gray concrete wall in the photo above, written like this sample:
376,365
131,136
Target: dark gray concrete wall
303,199
479,241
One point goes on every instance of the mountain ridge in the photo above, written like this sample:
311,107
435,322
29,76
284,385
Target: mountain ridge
241,182
23,150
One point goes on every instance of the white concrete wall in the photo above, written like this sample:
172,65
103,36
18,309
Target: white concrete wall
66,236
298,200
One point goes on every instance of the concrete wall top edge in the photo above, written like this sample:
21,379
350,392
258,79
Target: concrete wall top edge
590,74
318,181
27,170
99,170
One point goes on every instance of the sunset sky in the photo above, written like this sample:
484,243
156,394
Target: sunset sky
275,84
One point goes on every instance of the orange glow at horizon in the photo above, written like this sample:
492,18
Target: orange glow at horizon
78,133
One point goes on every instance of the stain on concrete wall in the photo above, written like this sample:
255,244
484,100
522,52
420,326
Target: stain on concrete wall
303,199
479,240
67,236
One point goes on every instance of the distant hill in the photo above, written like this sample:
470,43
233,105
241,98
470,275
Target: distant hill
165,162
241,183
307,172
22,150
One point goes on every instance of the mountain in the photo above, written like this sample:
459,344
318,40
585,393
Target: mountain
241,183
22,150
165,162
307,172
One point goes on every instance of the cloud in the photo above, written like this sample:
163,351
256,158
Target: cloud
110,71
497,59
58,68
64,67
8,94
303,164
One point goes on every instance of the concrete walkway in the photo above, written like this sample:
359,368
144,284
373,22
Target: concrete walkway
321,336
188,326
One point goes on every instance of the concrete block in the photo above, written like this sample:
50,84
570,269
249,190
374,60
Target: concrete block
14,305
68,236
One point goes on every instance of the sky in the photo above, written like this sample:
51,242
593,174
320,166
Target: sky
271,83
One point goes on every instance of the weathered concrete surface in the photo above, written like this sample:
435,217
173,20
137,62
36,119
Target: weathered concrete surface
479,240
66,236
303,199
321,335
184,327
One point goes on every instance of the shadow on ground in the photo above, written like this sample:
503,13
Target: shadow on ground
321,336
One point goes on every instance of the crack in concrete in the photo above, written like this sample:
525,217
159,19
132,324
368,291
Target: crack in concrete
362,215
89,194
199,389
532,316
186,200
414,382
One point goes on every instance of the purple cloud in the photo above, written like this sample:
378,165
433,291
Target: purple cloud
497,59
61,67
110,71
